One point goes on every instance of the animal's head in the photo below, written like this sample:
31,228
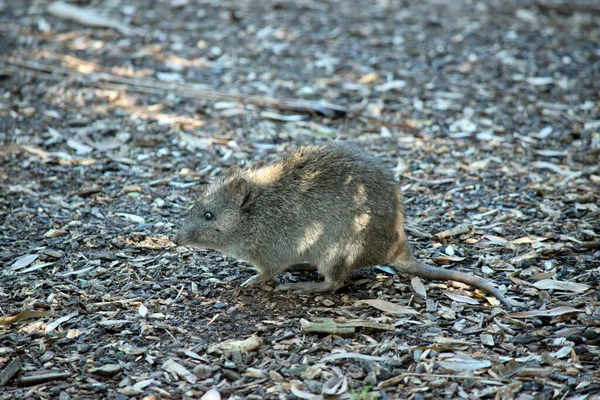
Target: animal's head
218,216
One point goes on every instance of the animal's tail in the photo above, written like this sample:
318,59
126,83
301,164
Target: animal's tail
414,267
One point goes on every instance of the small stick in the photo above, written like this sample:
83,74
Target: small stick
457,230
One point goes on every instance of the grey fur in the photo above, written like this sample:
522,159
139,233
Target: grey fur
331,205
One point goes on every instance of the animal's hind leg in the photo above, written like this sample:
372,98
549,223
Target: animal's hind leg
312,287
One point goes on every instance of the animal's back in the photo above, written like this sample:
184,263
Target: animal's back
329,205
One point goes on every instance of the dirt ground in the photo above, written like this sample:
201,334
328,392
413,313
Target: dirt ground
486,111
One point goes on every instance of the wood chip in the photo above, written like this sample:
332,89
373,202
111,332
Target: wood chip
13,367
43,377
457,230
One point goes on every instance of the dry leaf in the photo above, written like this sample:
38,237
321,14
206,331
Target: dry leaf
562,352
80,148
179,370
460,365
549,284
335,386
212,394
52,233
461,299
56,323
23,262
496,240
545,313
28,314
345,355
387,306
134,218
88,17
447,259
142,310
418,287
526,239
301,394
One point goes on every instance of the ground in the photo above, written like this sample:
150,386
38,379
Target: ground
486,111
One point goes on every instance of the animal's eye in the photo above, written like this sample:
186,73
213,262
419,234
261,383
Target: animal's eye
208,216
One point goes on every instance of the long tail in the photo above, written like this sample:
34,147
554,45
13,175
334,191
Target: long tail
414,267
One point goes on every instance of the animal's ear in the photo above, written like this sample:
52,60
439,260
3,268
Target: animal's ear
243,192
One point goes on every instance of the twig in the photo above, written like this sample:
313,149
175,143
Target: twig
568,8
123,301
44,377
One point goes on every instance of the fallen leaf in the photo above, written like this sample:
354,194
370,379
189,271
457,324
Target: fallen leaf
107,144
137,388
24,261
496,240
179,370
461,299
142,310
212,394
35,267
130,349
301,394
335,386
549,284
52,233
56,323
386,269
89,17
344,355
80,148
527,239
562,352
460,365
545,313
418,286
133,217
447,259
28,314
387,306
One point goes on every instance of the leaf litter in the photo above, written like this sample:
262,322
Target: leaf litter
106,139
